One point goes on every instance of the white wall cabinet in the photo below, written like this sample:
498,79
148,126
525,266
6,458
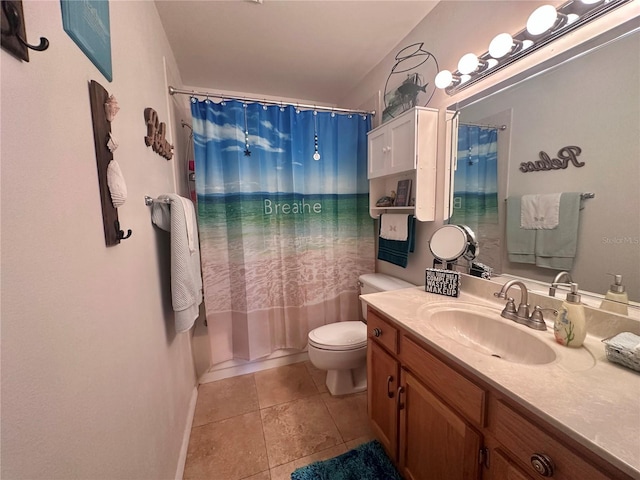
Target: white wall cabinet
405,148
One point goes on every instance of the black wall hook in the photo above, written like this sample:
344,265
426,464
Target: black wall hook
14,31
120,233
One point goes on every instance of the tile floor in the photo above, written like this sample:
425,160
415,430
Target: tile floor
264,425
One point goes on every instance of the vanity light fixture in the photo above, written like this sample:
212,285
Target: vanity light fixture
445,78
544,19
470,63
545,24
503,44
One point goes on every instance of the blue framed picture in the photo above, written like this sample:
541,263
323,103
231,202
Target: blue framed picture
87,23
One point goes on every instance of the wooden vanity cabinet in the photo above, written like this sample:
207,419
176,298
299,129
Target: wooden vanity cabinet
382,395
451,448
401,413
438,421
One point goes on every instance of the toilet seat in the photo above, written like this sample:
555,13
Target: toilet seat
339,336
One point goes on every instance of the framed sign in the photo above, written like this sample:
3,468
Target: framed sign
442,282
87,23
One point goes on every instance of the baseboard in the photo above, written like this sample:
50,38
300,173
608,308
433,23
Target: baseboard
230,370
182,459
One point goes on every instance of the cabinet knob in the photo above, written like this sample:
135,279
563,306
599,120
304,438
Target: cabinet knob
377,332
542,464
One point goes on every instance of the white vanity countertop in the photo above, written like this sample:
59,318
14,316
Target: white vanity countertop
594,401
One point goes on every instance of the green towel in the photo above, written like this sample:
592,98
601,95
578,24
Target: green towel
521,243
557,248
396,251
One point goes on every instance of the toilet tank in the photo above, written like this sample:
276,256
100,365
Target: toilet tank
379,282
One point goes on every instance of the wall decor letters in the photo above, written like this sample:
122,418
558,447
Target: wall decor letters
156,134
565,155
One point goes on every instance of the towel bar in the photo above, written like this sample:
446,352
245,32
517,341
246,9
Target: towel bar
583,196
148,201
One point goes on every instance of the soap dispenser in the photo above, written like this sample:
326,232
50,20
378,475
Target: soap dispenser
570,327
616,299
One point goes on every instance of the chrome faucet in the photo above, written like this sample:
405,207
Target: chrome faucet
557,281
522,314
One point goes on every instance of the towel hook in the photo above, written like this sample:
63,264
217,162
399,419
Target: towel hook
120,233
15,20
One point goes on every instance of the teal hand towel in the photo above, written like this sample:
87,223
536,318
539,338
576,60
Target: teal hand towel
521,243
396,251
557,248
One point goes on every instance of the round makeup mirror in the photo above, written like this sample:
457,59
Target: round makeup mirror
450,242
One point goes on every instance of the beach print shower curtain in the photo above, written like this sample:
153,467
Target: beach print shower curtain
475,198
285,231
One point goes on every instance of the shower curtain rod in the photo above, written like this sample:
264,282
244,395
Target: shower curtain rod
174,91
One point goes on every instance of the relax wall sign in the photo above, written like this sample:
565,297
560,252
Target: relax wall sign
566,155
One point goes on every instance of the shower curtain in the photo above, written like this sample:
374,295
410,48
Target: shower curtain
475,198
284,223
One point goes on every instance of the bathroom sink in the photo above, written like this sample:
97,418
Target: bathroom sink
486,332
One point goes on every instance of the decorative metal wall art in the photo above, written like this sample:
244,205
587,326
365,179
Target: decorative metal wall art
410,82
565,155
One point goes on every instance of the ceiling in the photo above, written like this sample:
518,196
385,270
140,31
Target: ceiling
297,49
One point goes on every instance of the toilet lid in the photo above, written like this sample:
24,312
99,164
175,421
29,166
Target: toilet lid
339,336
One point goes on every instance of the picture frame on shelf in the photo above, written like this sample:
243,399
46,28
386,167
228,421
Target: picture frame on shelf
403,193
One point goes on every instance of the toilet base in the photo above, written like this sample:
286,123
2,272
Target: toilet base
344,382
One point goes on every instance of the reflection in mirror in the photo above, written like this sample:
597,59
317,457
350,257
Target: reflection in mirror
570,128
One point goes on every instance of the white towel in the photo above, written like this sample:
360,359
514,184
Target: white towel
394,226
540,212
186,278
188,207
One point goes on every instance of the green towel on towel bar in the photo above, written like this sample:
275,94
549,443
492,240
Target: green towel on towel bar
556,248
521,243
396,251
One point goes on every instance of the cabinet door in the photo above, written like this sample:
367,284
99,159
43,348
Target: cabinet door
435,443
402,140
383,380
502,469
378,152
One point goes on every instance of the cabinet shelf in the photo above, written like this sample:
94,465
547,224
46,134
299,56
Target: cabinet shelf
405,148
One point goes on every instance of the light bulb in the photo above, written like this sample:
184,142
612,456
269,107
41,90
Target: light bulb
465,78
542,20
590,2
572,17
444,79
468,63
501,45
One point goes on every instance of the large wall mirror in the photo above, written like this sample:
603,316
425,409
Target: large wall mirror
589,98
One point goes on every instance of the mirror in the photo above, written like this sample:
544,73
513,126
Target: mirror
451,242
589,100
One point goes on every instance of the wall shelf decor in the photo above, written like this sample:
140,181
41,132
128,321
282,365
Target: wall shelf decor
101,135
156,132
14,32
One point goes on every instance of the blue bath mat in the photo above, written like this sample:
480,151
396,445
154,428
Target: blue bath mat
366,462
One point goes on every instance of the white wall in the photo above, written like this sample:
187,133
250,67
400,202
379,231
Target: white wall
95,381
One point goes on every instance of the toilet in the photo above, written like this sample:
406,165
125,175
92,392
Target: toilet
341,348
